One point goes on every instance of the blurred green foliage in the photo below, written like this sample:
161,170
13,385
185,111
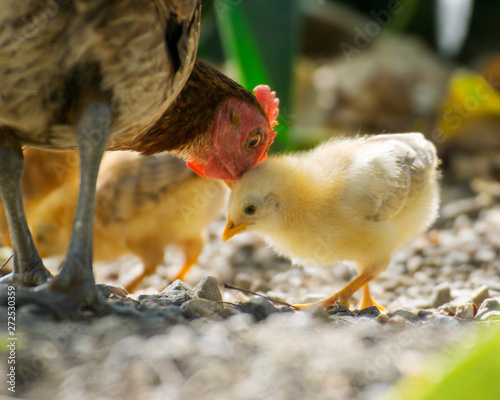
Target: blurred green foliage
466,370
260,39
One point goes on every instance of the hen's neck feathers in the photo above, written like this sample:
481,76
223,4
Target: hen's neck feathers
189,120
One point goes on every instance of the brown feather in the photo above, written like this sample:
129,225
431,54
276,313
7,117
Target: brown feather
133,55
193,112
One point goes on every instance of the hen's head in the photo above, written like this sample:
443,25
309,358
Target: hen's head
241,135
217,126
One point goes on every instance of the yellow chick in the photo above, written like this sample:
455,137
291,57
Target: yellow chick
143,204
357,199
43,172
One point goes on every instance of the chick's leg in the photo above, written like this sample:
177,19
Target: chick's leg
151,254
367,300
28,266
192,250
342,297
76,278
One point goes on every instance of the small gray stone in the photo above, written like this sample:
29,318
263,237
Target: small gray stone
491,316
200,308
370,312
175,294
423,314
227,312
259,307
414,263
178,286
487,306
481,295
436,319
448,309
341,310
382,318
208,288
465,311
170,314
407,315
318,312
126,301
485,255
441,295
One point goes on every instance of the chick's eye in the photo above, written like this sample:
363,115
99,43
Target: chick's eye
254,139
250,210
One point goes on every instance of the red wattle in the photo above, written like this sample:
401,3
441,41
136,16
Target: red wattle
198,168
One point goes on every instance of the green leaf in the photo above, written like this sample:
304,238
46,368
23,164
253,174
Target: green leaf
465,371
258,36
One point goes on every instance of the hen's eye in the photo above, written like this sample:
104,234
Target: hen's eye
255,139
250,210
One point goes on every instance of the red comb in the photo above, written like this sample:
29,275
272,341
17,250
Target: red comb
269,103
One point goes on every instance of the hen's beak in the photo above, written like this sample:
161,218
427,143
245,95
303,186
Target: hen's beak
229,184
231,229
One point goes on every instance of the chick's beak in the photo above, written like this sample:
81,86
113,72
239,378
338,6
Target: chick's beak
232,229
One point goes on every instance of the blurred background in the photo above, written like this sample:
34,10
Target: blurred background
350,66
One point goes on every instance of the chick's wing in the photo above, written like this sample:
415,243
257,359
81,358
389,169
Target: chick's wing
129,183
388,173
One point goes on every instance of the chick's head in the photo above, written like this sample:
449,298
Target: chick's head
254,203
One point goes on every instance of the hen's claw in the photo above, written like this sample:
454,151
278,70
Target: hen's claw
108,290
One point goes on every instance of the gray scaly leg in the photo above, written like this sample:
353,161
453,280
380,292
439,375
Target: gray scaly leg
76,278
28,267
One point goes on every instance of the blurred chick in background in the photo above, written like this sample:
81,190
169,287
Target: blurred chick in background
143,204
357,199
44,172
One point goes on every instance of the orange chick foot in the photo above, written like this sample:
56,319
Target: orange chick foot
367,300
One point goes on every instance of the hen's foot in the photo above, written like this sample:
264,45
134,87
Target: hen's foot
51,300
35,276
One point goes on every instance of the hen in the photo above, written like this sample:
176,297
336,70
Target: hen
142,205
106,74
349,199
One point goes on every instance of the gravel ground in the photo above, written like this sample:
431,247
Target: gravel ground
194,341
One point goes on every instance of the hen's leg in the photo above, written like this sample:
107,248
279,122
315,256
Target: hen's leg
28,266
76,278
